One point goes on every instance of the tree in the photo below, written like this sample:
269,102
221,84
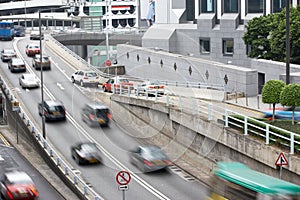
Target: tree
266,36
290,96
271,93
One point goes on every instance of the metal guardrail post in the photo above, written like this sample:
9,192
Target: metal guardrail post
226,118
180,103
292,144
245,125
120,89
156,94
128,91
209,112
267,134
168,99
195,106
147,95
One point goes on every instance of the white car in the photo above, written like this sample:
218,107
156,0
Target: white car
29,81
151,88
85,77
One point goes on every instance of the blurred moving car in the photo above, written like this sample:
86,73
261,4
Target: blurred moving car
284,113
32,49
7,54
85,77
29,81
16,65
18,185
53,110
116,84
35,35
149,158
46,63
57,32
86,153
19,31
95,114
151,87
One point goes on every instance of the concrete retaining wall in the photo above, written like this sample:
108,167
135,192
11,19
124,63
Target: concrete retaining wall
157,64
197,140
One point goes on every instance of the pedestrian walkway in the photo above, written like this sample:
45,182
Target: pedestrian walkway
253,102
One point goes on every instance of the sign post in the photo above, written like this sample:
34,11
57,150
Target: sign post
108,64
281,160
16,107
123,178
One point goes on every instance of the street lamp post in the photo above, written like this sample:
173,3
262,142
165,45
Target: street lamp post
42,77
287,41
41,68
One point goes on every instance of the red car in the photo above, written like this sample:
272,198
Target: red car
32,49
116,84
18,185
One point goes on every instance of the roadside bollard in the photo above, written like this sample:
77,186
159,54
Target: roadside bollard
58,162
32,129
51,153
66,171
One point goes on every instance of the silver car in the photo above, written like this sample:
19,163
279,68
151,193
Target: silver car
7,54
29,81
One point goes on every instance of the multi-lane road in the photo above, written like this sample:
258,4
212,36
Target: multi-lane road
114,141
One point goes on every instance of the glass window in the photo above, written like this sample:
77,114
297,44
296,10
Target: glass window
230,6
204,45
228,46
278,5
255,6
207,6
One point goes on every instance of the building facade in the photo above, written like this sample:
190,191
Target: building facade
209,29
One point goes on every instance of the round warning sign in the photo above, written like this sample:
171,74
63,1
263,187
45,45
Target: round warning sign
123,178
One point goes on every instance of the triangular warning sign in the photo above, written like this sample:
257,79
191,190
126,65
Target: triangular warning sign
281,160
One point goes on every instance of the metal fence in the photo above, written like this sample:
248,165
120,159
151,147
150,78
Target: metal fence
230,118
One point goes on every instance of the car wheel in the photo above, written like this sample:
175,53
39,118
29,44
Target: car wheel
81,83
104,89
72,79
77,159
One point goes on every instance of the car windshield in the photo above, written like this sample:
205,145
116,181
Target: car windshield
124,80
17,62
89,148
91,74
34,47
153,153
30,78
155,83
56,108
9,52
102,112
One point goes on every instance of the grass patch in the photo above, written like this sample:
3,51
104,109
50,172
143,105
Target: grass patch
286,124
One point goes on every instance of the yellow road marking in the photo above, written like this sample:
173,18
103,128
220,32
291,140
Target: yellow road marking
4,140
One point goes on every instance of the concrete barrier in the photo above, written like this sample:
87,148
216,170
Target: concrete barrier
197,140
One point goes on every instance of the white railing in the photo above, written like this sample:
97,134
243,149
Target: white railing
217,113
64,168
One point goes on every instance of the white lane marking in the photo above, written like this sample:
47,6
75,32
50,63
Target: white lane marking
1,159
60,86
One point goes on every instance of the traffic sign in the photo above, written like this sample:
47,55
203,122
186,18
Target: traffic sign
107,63
123,178
281,160
15,105
123,187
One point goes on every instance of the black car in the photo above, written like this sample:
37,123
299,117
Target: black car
96,114
149,158
86,153
53,110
